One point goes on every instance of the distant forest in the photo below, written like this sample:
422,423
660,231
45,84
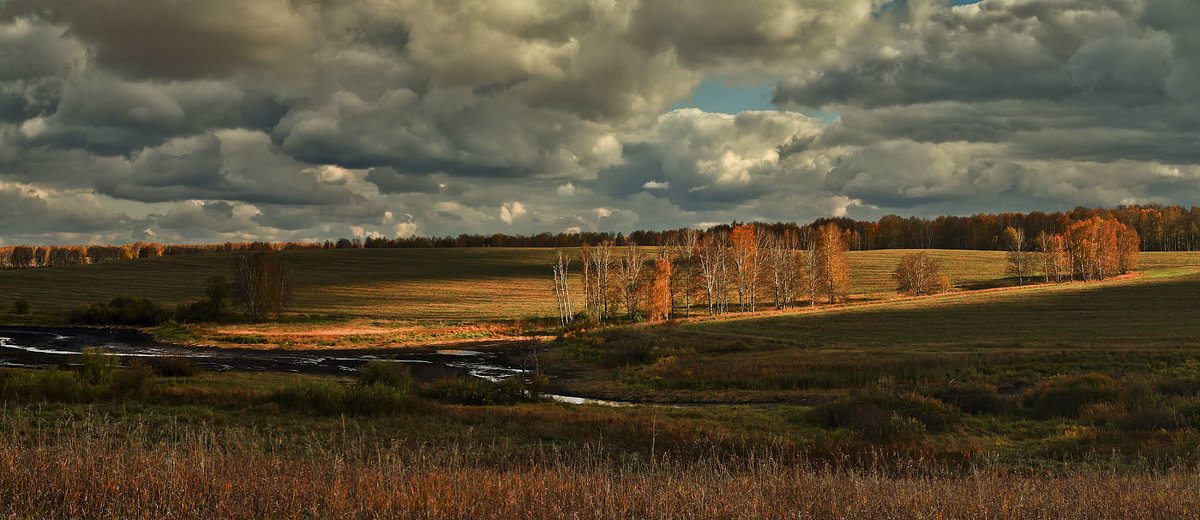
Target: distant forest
1160,228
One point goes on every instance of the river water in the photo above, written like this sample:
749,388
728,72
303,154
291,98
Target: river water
42,347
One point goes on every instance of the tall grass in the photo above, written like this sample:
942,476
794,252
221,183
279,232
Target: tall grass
89,469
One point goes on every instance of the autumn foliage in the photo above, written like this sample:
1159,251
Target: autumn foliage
659,299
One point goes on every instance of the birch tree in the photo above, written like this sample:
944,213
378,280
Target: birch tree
629,267
1015,241
744,257
832,267
562,292
713,263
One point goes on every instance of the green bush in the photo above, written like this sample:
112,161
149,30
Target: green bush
134,379
96,366
1067,396
332,398
389,374
21,306
477,391
314,396
972,398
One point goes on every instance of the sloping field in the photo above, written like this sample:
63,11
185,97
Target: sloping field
1012,336
423,285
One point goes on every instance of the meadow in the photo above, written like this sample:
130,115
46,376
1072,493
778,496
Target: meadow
1079,399
382,297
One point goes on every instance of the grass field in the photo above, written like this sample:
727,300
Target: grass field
374,297
1073,400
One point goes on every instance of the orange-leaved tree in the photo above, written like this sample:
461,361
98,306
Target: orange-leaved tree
832,269
658,302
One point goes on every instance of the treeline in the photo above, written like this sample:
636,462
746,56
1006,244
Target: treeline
27,257
752,265
1159,228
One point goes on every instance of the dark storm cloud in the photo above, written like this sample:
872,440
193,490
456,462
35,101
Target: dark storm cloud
307,119
170,39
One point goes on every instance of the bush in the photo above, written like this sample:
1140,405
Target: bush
376,399
629,348
880,415
121,311
477,391
1067,396
332,398
174,366
134,379
195,312
21,306
972,398
389,374
96,366
316,396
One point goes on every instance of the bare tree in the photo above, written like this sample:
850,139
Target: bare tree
809,263
1017,245
261,284
597,263
714,263
684,273
918,274
562,291
629,273
780,265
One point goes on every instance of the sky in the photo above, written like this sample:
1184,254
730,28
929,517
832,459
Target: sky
222,120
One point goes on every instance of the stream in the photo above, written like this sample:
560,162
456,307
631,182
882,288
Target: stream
42,347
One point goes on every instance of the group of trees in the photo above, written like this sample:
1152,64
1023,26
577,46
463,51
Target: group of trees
751,263
1091,249
754,264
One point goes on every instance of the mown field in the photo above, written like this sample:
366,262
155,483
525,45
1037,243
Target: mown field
374,297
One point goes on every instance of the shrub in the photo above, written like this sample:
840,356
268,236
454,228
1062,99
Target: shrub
477,391
175,366
195,312
21,306
629,348
96,366
121,311
1068,395
389,374
131,380
375,399
972,398
881,415
316,396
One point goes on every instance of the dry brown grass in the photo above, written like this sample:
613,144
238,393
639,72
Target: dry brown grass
88,470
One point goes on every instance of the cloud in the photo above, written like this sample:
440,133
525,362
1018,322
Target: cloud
305,119
510,211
